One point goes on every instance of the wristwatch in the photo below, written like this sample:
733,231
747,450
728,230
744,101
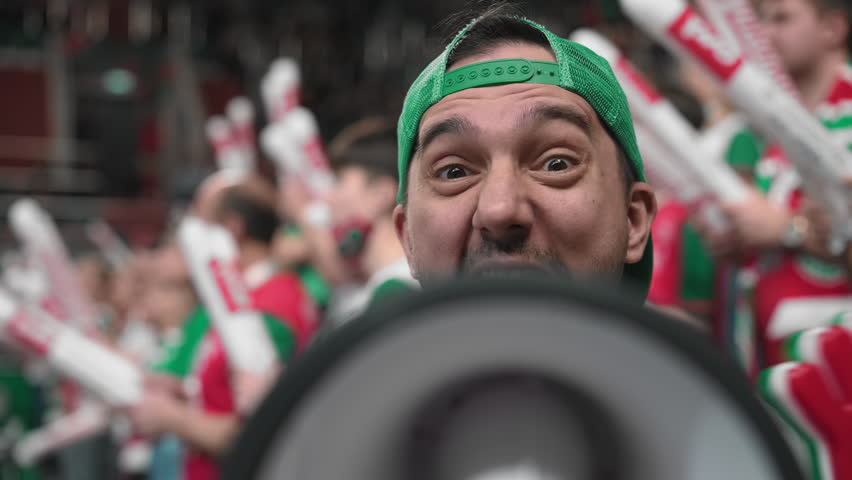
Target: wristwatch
795,233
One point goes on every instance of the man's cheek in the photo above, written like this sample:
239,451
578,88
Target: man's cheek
436,235
580,229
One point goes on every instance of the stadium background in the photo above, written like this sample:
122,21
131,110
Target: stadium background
105,100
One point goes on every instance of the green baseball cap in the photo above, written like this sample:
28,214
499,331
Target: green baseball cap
577,69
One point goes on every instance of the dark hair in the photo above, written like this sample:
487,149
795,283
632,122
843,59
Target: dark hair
841,6
497,26
374,152
260,219
501,25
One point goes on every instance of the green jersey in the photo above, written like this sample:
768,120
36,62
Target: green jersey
179,352
20,412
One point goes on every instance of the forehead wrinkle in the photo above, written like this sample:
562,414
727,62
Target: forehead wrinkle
454,125
541,113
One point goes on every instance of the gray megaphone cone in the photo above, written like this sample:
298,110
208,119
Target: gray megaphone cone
528,378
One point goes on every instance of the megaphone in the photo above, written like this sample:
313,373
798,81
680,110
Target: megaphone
522,378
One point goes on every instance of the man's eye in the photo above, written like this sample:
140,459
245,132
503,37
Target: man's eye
557,164
452,172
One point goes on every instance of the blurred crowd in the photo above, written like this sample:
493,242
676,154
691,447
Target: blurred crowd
315,244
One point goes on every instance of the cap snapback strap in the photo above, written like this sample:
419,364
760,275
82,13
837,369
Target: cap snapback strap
499,72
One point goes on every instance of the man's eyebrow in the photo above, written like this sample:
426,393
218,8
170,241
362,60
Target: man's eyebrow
455,125
541,113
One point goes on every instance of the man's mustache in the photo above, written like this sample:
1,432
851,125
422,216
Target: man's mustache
493,259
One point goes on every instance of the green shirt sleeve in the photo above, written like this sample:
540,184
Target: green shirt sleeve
391,288
698,275
179,355
315,284
281,336
744,151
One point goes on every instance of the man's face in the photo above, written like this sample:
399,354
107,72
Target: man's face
517,176
796,31
351,195
357,196
170,297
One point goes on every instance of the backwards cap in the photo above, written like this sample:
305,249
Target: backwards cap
577,69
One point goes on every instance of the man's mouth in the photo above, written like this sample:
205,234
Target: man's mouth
506,269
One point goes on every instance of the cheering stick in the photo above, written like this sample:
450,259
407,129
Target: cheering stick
738,23
105,238
307,151
664,171
819,160
240,113
211,254
659,115
229,155
86,421
280,88
108,375
813,395
295,147
37,232
276,141
796,314
29,284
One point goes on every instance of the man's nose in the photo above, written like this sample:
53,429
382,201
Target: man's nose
504,212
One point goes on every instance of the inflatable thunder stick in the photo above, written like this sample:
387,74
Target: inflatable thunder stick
240,112
819,160
737,22
813,395
229,155
212,255
280,88
108,375
88,420
37,233
664,171
662,118
295,145
109,242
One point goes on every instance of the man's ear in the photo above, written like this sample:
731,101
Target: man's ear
641,210
399,223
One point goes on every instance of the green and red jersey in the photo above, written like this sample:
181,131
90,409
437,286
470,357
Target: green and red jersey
292,308
785,275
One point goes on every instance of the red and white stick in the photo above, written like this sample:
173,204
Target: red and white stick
226,146
105,238
240,113
108,375
295,145
664,171
666,123
40,238
737,22
819,160
211,254
280,88
88,420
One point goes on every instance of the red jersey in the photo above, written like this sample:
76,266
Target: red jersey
214,396
666,277
283,297
782,275
278,294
